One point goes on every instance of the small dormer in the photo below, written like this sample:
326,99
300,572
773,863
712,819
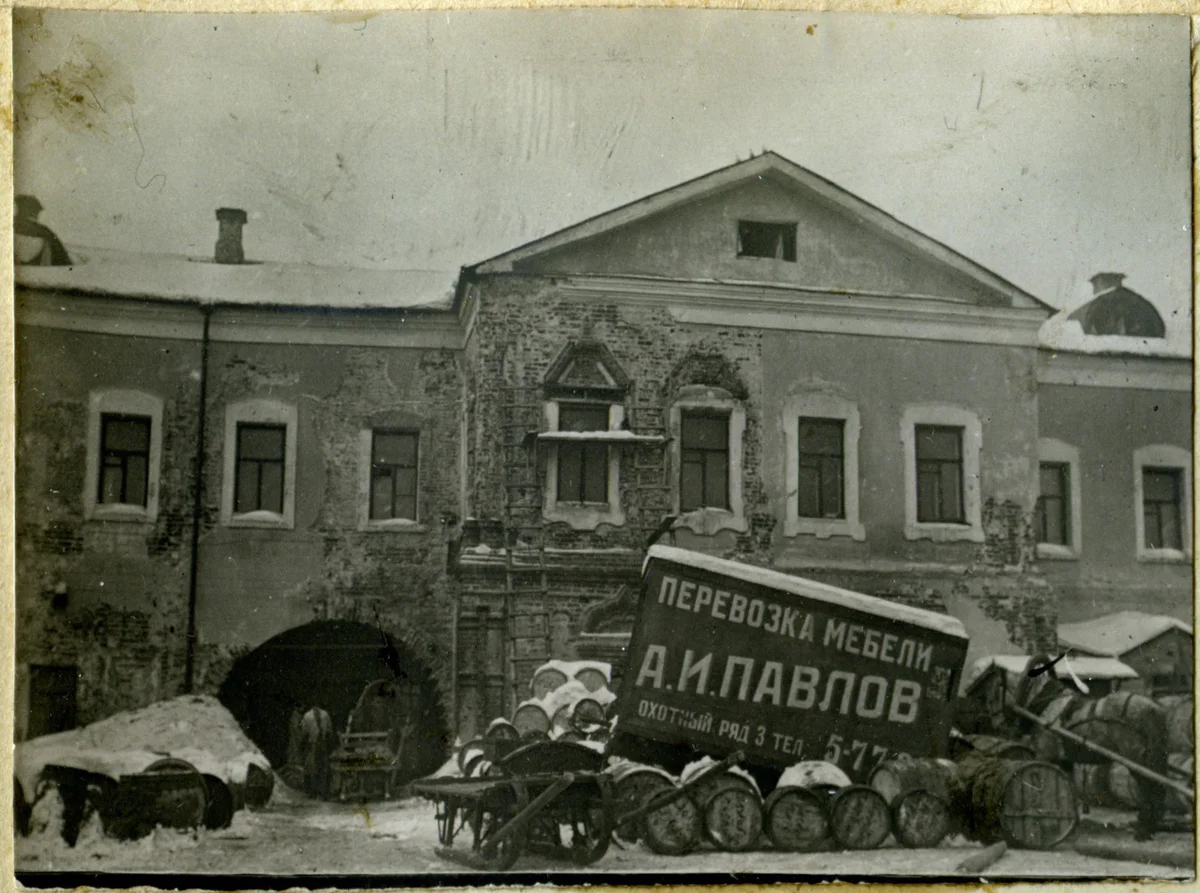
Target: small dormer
1117,310
586,369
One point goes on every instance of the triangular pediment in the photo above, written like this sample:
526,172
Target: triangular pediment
584,368
765,220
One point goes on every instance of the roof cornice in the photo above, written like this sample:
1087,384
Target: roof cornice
182,320
778,307
1133,371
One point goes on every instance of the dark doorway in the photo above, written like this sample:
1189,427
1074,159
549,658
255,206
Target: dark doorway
328,664
51,699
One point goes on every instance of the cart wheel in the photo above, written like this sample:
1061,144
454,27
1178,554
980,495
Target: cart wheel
503,855
591,826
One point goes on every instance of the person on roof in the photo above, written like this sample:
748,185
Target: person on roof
34,243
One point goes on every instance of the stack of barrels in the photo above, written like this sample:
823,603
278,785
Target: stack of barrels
570,702
994,790
1113,785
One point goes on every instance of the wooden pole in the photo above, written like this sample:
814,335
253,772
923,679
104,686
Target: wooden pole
1135,768
983,860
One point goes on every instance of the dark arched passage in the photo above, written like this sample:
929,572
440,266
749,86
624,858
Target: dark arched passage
327,664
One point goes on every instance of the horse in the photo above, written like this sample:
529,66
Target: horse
1130,724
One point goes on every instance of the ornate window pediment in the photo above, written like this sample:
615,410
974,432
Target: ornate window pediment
586,369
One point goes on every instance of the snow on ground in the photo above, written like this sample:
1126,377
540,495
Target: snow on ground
296,836
196,728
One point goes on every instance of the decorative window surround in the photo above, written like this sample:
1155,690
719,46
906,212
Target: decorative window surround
259,412
121,402
365,521
823,407
1176,458
585,515
709,521
1051,450
940,532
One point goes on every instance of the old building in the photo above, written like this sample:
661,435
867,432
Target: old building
274,482
1160,649
214,458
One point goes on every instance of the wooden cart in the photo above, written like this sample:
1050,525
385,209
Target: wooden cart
549,798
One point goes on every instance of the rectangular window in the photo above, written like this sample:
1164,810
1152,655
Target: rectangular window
704,459
124,459
939,474
51,700
821,469
583,467
260,464
1054,504
775,240
394,475
1161,507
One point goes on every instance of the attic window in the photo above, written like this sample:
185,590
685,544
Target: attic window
775,240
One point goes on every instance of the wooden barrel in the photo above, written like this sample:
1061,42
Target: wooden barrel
594,679
546,680
1028,804
919,794
733,818
500,729
795,819
218,806
170,793
921,819
674,829
893,778
633,785
531,717
587,711
1001,748
859,817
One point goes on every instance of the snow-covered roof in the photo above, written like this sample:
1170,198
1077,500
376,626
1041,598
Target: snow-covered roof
1082,667
1061,333
1116,634
175,277
759,576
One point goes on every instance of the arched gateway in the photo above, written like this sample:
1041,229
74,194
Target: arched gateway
328,665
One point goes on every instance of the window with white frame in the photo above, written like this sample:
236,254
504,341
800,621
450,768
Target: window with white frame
1162,500
258,488
707,425
124,455
394,456
582,474
821,435
942,446
1057,518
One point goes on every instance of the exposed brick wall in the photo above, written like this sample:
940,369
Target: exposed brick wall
122,616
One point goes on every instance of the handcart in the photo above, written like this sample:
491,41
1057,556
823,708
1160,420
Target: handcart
549,798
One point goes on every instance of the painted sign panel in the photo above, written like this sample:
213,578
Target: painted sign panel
727,657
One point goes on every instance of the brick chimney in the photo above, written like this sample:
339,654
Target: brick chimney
1106,282
229,236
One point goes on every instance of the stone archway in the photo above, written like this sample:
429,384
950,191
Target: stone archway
328,664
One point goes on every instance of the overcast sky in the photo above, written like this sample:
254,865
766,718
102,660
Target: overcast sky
1047,148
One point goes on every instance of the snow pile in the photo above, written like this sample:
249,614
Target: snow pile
196,728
